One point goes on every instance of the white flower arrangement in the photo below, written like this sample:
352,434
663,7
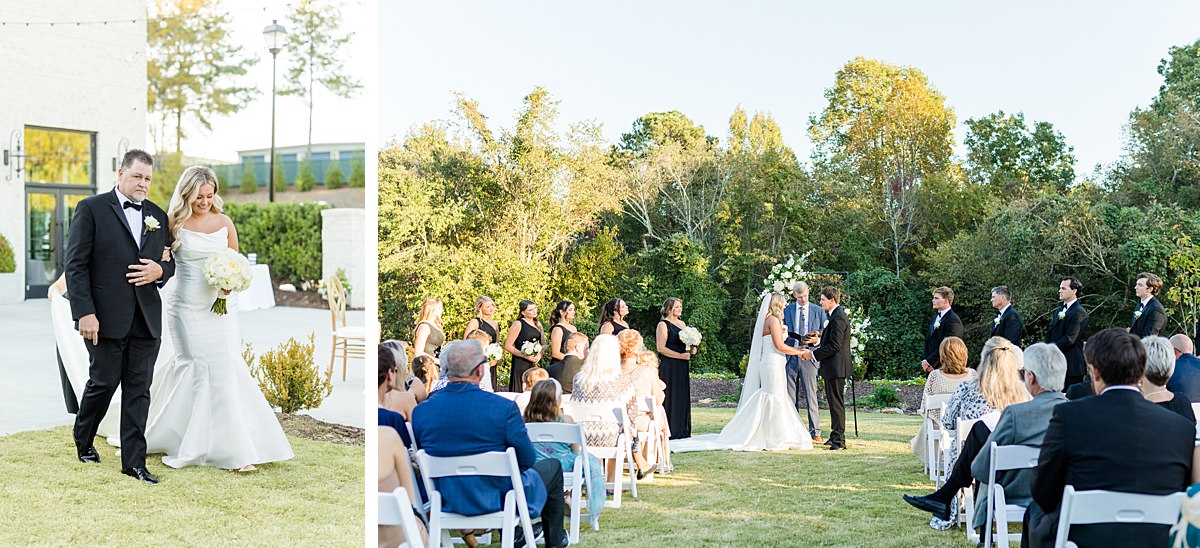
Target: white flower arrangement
493,352
151,224
346,287
531,348
996,321
860,334
690,336
937,324
227,270
784,274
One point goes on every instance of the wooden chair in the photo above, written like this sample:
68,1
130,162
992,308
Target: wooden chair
349,340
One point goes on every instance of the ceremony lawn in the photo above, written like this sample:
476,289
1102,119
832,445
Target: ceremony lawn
47,497
794,498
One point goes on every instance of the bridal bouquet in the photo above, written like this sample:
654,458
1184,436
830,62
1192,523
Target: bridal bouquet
531,348
786,273
492,351
230,271
690,336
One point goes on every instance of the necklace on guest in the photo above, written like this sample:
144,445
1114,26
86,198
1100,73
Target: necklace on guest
1156,393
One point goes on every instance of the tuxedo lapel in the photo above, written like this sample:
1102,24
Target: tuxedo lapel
120,212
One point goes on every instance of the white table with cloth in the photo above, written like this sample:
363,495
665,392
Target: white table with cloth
260,296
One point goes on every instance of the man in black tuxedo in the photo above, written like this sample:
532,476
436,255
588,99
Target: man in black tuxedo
1068,326
1008,322
1149,318
833,352
944,324
1116,441
115,265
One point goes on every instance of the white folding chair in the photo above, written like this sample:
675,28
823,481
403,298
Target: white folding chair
1196,411
933,432
966,496
411,435
1005,457
579,477
620,452
1088,507
483,464
395,508
650,436
510,396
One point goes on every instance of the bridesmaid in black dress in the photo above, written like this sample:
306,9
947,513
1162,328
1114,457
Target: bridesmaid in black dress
525,329
561,329
673,358
485,310
612,317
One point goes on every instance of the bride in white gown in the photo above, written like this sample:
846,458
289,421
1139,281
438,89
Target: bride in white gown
765,419
205,408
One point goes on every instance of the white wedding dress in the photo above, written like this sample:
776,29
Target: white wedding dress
765,418
205,408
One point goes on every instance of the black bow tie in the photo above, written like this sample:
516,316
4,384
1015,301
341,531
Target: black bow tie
128,204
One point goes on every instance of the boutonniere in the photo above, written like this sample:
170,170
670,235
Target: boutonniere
996,321
1062,313
1137,314
151,224
824,325
937,324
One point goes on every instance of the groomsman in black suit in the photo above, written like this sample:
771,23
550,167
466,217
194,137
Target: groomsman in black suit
944,324
1068,326
1149,318
1008,322
834,354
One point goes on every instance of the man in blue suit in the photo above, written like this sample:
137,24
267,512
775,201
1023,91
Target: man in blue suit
1186,378
801,318
462,419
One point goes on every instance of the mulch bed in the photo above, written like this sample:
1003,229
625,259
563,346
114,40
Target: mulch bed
705,393
303,426
302,299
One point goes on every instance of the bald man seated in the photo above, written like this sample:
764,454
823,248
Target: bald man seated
1186,378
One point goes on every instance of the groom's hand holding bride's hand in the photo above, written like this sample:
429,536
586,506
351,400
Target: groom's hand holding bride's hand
145,273
805,354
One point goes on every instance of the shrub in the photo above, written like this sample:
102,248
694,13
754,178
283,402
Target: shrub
305,180
286,236
288,377
249,179
358,173
882,397
280,179
334,178
8,260
897,311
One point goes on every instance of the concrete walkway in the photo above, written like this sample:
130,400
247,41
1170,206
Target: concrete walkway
31,392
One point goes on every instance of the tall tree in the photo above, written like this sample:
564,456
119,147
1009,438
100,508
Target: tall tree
318,57
192,67
884,129
1009,158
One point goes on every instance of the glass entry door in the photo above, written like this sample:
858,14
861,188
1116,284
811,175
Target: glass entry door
48,222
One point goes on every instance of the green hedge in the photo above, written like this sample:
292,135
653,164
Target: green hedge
285,236
8,261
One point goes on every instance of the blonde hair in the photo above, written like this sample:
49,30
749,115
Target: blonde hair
480,301
775,308
532,376
603,362
630,344
999,380
186,190
427,306
952,355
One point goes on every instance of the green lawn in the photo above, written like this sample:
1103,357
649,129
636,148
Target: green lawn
47,497
795,498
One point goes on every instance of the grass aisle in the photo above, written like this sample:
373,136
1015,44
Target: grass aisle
794,498
47,497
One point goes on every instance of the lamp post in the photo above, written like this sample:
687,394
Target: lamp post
274,35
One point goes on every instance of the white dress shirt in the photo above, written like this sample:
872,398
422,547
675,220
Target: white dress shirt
132,215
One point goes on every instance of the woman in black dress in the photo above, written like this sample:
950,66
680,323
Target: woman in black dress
561,329
525,329
485,310
673,358
612,317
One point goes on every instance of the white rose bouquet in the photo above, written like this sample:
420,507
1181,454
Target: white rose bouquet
492,351
227,270
784,274
860,335
531,348
690,336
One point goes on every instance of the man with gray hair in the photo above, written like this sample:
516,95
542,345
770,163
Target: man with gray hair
800,319
1186,379
461,419
1008,322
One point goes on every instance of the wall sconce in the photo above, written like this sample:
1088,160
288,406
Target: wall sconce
14,155
122,148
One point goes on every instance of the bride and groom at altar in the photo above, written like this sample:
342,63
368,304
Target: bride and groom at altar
817,339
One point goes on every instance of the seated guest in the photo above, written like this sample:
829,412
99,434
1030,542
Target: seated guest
600,381
545,405
649,358
1160,364
1020,424
1115,441
495,426
426,374
484,339
396,398
531,377
565,370
394,473
952,354
998,386
1186,378
387,375
646,384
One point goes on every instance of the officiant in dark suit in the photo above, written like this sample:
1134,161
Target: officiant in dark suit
833,352
1068,326
1008,322
944,324
1149,317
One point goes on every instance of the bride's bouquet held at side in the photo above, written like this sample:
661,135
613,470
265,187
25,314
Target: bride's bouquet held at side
227,271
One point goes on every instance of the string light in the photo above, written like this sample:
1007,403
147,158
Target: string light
162,20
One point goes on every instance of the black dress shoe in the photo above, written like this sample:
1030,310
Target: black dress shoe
141,474
828,442
836,447
940,510
89,455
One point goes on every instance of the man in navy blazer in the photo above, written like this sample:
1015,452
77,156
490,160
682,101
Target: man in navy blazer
1186,378
801,318
462,419
1149,317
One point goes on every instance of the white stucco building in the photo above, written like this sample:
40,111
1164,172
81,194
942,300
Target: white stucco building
73,101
